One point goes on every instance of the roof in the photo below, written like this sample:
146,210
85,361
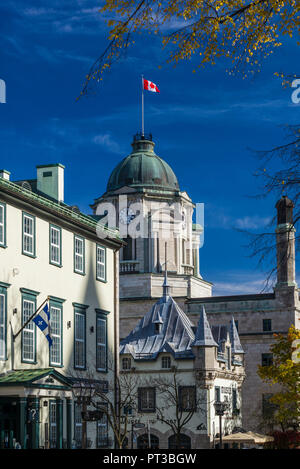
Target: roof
234,338
27,377
176,335
59,209
143,168
204,336
166,328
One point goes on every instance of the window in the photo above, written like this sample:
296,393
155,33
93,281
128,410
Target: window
29,331
184,442
126,363
267,325
266,359
187,398
127,410
268,408
143,441
55,245
146,400
217,394
100,263
102,431
79,342
101,342
28,236
183,252
2,225
77,425
79,255
234,400
52,424
56,333
3,313
166,362
228,358
128,250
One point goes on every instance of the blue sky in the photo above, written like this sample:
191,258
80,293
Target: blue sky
205,124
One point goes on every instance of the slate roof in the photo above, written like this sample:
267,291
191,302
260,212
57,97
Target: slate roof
166,328
175,336
204,336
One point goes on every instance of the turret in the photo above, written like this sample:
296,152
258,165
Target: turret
285,244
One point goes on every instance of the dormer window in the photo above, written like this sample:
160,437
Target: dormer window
157,327
166,362
126,363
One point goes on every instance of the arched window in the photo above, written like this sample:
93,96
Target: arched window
184,442
143,441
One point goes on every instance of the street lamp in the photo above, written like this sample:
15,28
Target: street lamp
220,408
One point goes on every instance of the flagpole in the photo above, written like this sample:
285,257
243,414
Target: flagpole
31,317
143,106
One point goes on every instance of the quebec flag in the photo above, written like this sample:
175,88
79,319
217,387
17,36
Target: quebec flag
42,320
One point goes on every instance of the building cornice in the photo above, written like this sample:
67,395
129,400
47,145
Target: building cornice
62,211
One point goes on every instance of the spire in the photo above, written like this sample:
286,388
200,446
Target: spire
203,336
234,338
166,286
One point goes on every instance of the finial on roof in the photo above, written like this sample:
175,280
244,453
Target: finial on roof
203,336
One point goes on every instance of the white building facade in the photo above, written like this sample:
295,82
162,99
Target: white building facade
51,250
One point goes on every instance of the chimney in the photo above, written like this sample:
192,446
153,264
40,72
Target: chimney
4,174
285,243
50,181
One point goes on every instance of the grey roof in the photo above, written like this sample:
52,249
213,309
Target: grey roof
166,328
175,336
234,338
203,336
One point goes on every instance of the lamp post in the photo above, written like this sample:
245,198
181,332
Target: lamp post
220,408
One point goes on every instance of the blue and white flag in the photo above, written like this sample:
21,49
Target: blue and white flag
42,320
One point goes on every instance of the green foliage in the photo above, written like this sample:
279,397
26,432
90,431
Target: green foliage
285,371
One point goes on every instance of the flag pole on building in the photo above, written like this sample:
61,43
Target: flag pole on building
143,130
30,319
150,86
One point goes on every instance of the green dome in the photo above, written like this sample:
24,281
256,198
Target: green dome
143,168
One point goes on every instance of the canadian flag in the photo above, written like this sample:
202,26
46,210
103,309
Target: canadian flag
148,85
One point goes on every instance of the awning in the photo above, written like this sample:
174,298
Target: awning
247,437
45,378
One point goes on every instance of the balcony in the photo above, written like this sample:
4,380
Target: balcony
129,267
188,269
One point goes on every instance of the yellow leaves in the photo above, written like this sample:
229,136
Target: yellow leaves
244,31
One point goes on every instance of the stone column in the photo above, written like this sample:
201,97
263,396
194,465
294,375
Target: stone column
22,421
35,422
59,424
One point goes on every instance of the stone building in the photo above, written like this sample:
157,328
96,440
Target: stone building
144,189
144,177
49,250
182,371
259,316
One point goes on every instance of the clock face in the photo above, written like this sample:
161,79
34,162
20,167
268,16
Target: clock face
126,215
